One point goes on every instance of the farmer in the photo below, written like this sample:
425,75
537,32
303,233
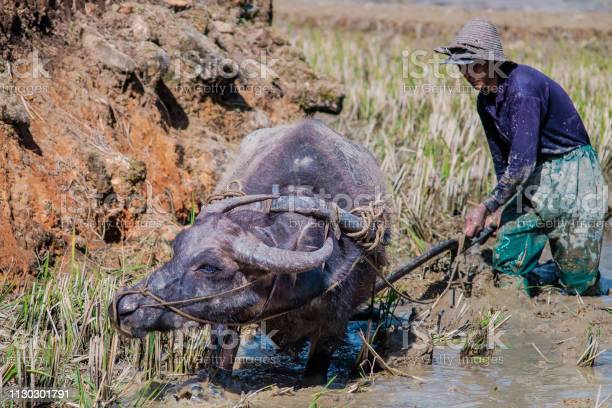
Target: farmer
549,183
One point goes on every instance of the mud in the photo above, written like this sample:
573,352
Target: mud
533,362
116,118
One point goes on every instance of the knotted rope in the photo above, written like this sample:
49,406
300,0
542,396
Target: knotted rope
374,215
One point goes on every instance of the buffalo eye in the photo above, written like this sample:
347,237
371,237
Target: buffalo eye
207,269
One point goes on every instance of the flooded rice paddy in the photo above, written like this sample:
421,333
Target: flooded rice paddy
516,376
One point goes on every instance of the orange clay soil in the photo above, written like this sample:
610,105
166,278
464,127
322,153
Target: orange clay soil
118,118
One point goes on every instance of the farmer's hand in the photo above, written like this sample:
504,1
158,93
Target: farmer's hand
493,221
475,220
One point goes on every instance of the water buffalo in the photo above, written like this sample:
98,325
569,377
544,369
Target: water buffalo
261,257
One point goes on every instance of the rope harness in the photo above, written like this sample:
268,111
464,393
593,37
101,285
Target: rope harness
372,215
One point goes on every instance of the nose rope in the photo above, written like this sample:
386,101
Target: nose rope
170,304
145,292
195,299
373,216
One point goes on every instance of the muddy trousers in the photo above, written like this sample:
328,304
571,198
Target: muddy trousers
563,203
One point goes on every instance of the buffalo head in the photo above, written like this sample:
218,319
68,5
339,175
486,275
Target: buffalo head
217,255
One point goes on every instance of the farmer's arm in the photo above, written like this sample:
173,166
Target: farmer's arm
493,139
522,158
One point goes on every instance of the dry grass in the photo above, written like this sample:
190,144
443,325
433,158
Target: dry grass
57,334
477,342
591,351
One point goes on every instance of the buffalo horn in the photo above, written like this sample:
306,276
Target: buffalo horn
251,251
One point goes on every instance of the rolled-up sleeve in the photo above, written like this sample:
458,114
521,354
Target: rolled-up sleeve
524,114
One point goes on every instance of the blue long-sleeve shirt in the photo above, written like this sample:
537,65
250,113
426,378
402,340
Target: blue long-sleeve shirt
528,119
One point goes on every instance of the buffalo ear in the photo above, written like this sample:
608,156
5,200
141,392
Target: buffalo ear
337,269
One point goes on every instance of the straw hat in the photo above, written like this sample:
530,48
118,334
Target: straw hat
477,40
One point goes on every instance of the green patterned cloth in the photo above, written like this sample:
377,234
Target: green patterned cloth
564,202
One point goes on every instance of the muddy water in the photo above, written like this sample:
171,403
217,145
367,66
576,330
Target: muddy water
516,376
517,380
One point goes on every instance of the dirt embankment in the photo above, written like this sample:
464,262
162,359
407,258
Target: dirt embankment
115,119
